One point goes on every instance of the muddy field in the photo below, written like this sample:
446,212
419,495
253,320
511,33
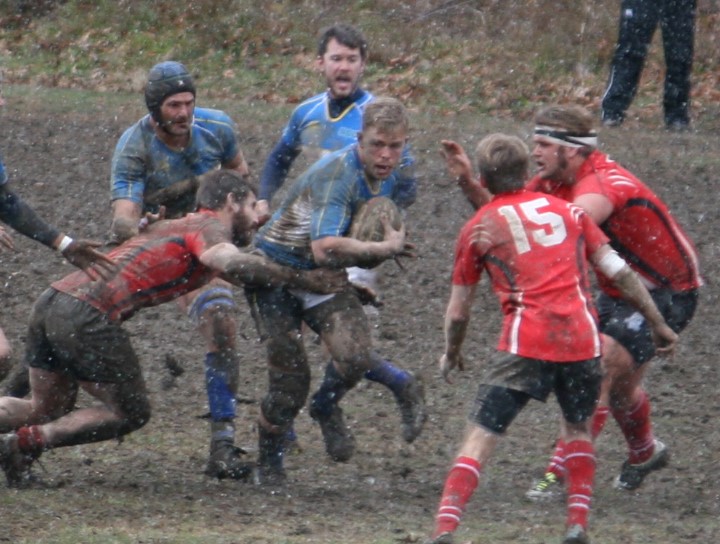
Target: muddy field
150,487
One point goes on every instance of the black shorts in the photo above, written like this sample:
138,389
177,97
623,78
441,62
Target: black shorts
510,381
621,321
69,336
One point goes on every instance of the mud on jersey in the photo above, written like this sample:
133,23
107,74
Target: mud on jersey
320,203
143,164
157,266
535,247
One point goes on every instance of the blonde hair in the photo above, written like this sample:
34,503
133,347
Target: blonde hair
387,114
503,161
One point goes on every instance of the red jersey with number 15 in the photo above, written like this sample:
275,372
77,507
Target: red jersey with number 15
640,228
157,266
535,249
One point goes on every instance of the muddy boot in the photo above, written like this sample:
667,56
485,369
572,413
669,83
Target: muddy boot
269,470
339,441
225,461
411,401
15,463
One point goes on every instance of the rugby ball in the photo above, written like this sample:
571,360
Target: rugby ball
367,225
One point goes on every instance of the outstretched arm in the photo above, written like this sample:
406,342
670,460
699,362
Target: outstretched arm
242,269
82,253
342,251
20,216
460,167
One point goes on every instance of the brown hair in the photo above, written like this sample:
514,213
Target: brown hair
572,118
347,35
217,184
503,162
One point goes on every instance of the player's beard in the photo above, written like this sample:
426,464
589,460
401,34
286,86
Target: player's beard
169,125
558,172
243,235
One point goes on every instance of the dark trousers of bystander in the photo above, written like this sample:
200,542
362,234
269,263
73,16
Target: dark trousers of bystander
638,21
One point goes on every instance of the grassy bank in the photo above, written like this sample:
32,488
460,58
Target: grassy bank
484,55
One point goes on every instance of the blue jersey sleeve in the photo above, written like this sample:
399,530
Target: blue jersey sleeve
276,169
127,171
218,131
334,198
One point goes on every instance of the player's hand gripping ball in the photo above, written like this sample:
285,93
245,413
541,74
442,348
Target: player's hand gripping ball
367,225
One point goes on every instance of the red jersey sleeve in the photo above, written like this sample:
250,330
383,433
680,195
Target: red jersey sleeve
467,268
594,237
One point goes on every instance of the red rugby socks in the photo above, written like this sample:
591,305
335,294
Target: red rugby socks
460,484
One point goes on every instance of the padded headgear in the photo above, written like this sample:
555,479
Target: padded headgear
165,79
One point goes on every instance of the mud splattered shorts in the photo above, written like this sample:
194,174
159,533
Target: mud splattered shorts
69,336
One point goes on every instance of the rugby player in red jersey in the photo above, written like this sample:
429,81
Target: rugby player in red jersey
76,339
645,233
535,249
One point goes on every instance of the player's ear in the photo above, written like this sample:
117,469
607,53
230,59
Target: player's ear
231,202
571,151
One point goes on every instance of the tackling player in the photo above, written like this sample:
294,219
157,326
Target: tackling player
158,162
76,339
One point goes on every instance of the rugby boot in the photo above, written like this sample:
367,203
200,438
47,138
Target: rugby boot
444,538
269,469
547,487
632,476
15,463
413,413
225,462
339,441
576,535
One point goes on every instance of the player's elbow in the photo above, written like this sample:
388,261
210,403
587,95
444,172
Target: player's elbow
123,228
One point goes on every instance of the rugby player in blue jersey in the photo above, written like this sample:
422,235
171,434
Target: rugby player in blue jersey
330,120
309,230
156,166
327,122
